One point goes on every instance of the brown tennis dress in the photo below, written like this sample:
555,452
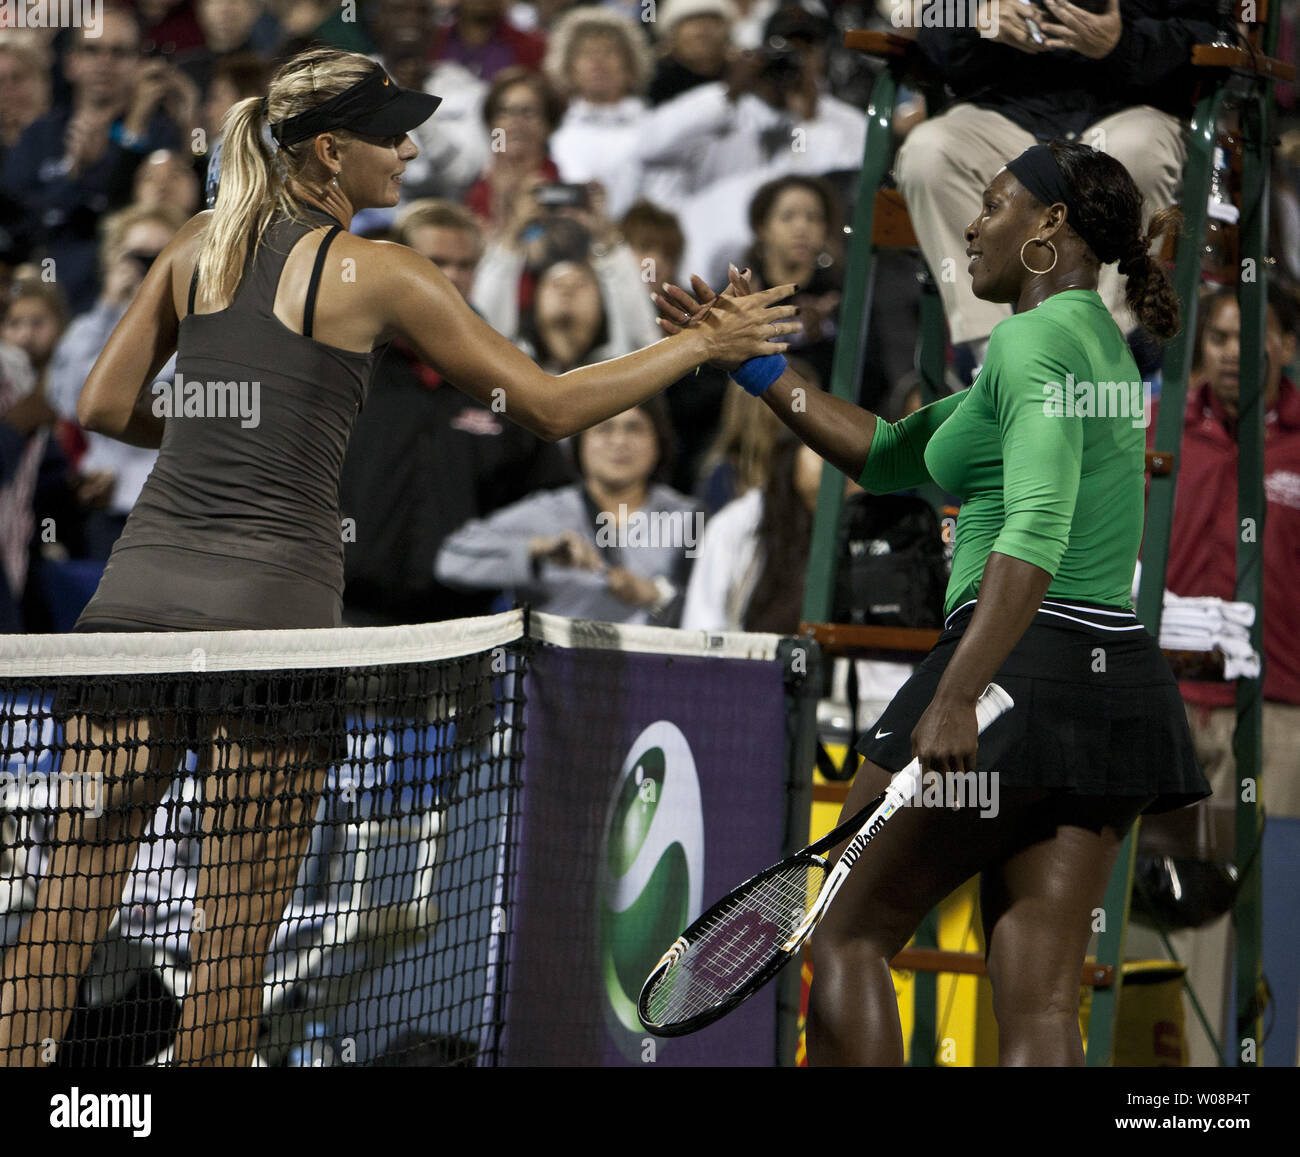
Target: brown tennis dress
238,526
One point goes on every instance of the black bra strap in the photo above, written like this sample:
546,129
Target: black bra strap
309,307
194,285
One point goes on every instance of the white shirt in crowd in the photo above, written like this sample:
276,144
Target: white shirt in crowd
600,143
726,567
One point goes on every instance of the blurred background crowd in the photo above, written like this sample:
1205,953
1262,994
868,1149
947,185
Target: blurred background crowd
583,155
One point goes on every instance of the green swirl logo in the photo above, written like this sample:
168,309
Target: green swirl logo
652,869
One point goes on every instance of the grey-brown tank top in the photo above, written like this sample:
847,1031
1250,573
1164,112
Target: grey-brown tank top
238,525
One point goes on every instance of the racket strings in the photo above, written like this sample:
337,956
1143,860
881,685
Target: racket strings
735,945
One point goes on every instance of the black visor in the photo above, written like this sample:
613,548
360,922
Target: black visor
374,107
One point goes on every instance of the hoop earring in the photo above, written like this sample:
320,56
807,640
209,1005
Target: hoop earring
1030,267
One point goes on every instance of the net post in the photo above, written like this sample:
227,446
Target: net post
801,662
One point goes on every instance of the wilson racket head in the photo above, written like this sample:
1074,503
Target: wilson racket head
740,943
732,950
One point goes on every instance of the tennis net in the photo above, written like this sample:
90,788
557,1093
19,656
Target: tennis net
270,848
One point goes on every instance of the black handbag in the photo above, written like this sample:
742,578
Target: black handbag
892,571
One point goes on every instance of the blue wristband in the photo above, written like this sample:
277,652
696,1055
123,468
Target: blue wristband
757,374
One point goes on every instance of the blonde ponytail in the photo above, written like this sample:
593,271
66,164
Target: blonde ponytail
254,180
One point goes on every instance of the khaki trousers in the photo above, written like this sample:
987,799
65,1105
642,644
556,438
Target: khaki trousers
945,163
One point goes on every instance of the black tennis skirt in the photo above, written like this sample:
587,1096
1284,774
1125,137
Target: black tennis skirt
1097,710
293,710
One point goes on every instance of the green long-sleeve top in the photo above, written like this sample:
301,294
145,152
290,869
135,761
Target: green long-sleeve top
1046,450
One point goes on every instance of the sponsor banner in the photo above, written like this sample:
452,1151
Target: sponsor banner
652,785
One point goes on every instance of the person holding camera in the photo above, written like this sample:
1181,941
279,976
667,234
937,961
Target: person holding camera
772,114
553,223
713,147
520,113
67,165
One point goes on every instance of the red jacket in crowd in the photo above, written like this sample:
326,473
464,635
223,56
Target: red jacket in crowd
1202,550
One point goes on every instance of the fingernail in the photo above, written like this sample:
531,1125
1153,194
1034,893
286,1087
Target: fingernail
733,269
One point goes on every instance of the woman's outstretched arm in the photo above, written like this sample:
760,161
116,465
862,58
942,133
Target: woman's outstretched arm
837,430
426,310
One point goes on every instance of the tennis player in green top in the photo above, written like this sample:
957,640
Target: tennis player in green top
1046,449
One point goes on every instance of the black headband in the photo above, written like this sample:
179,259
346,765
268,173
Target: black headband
1038,171
374,106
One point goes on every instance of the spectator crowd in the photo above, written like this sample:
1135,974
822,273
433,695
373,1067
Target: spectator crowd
583,155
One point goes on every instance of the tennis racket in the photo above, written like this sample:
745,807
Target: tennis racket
749,935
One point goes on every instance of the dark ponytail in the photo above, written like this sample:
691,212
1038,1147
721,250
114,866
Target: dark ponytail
1149,292
1110,211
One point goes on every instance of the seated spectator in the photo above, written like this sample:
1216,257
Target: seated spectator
540,236
445,234
1122,87
1202,549
111,472
694,43
235,77
34,319
229,27
601,63
481,38
425,459
167,178
749,574
656,240
24,91
454,144
566,327
738,459
34,315
68,165
596,549
716,144
796,229
520,111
